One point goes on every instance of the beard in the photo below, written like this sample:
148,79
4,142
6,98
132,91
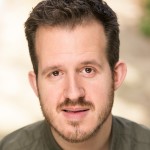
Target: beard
78,135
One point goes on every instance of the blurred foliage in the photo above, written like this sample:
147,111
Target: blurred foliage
145,21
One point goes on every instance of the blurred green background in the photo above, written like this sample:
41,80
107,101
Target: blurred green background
145,21
18,104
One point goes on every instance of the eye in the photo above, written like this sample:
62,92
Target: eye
55,73
88,72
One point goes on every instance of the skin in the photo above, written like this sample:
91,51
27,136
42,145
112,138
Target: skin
75,84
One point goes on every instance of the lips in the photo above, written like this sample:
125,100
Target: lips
75,111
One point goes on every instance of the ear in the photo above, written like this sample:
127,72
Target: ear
120,71
33,82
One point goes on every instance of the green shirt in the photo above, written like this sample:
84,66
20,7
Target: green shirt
125,135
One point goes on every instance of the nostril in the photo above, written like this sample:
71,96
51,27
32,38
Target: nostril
74,93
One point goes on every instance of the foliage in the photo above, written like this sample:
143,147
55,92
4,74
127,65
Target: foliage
145,22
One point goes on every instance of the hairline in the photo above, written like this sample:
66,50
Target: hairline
71,26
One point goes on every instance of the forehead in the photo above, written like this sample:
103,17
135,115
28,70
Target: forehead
64,39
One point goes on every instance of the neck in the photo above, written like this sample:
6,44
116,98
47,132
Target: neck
99,141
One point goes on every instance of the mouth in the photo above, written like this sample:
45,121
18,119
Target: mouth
75,111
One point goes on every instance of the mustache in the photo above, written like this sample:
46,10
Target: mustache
79,102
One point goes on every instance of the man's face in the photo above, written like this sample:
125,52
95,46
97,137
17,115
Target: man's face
75,84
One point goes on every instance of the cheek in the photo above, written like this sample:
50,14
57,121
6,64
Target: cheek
50,94
99,91
98,88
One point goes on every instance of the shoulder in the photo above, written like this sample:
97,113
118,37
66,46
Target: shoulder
131,128
131,134
23,137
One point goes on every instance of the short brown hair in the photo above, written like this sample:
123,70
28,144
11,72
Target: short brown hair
73,12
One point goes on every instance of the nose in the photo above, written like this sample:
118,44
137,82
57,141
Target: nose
74,90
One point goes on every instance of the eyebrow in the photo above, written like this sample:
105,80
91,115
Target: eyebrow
91,62
50,68
56,67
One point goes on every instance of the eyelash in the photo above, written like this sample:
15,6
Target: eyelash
51,74
90,72
55,72
91,69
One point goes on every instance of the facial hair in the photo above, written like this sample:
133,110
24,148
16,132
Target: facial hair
79,136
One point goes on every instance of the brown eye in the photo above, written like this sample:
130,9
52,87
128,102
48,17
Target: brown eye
88,70
55,73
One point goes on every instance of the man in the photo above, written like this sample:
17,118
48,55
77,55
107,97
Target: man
74,48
